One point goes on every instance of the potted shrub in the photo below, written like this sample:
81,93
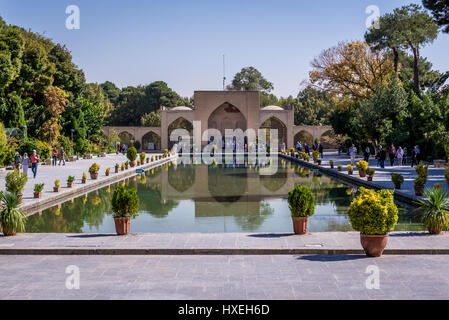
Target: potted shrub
292,152
84,178
57,186
315,156
397,179
165,153
362,166
331,163
152,158
302,205
11,217
138,162
38,187
70,181
123,166
127,165
374,214
108,172
350,169
421,179
340,167
116,167
370,172
142,156
131,154
147,160
15,182
93,170
125,204
435,209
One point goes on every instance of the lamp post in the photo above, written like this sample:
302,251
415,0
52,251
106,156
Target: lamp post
72,130
24,132
51,130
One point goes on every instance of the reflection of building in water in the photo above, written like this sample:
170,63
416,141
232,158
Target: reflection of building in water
223,110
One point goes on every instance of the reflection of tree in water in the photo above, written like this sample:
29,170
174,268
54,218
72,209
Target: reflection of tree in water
181,178
151,201
252,222
274,182
71,217
227,185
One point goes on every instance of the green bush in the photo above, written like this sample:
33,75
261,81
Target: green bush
421,170
10,215
81,147
370,172
143,155
15,181
435,208
125,203
362,165
397,178
42,148
38,187
94,168
373,213
131,154
301,201
137,145
70,179
315,155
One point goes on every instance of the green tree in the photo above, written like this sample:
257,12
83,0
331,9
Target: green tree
250,79
12,107
152,119
314,107
440,11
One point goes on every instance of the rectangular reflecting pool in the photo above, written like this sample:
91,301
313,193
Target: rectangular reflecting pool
210,198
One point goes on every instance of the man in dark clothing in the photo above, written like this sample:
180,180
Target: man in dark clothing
321,150
382,157
414,156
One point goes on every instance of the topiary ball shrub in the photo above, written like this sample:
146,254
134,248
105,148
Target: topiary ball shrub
131,154
125,202
137,145
373,212
301,201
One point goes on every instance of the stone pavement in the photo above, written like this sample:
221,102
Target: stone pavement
382,176
218,243
48,175
225,277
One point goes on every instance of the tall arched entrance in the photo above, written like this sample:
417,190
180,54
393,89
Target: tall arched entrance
303,137
151,141
125,138
276,124
180,123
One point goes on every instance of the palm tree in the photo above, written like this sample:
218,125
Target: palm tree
11,217
435,208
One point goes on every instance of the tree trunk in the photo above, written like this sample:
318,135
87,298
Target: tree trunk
416,69
396,60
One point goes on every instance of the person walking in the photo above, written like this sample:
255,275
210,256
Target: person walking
62,156
382,156
34,162
404,157
366,153
54,156
298,146
25,163
339,149
17,161
307,148
400,155
321,150
414,156
392,154
352,153
379,149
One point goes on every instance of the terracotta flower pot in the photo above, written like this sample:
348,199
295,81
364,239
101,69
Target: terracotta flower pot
20,198
126,167
83,181
123,169
370,178
300,224
373,245
340,169
419,190
122,225
94,176
69,184
362,174
350,172
8,232
116,170
132,164
37,195
397,186
332,166
148,160
107,174
56,189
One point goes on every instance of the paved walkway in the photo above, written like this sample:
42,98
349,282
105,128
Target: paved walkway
48,175
225,277
382,176
217,243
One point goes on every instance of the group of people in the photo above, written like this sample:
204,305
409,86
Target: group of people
55,155
381,155
316,146
25,161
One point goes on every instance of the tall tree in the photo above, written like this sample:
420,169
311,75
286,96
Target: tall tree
250,79
440,11
351,69
54,101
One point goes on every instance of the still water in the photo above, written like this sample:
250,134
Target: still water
210,198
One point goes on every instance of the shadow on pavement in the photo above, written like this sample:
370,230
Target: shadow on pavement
332,257
93,235
271,235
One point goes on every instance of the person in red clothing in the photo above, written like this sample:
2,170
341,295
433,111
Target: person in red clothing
34,162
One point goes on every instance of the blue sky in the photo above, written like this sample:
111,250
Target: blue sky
182,41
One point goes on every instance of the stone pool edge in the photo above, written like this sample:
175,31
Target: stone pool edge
80,189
